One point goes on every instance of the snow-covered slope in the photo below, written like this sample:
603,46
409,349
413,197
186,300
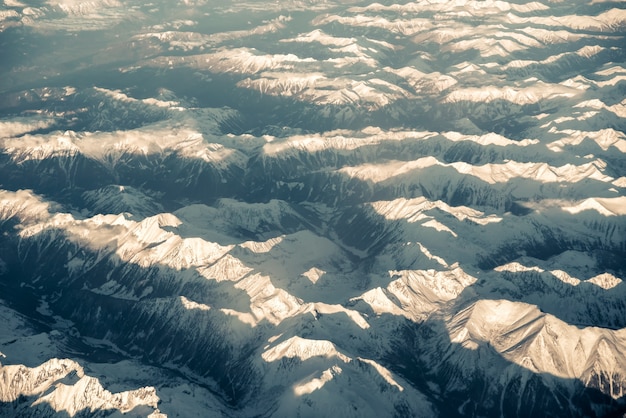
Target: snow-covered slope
312,208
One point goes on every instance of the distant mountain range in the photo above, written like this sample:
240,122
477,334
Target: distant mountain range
312,208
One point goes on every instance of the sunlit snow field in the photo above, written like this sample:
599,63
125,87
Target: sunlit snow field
312,208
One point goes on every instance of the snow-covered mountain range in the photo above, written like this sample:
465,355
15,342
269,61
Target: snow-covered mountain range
312,208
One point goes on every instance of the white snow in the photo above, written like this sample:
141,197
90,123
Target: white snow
605,206
303,349
503,133
606,281
316,383
490,173
535,340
